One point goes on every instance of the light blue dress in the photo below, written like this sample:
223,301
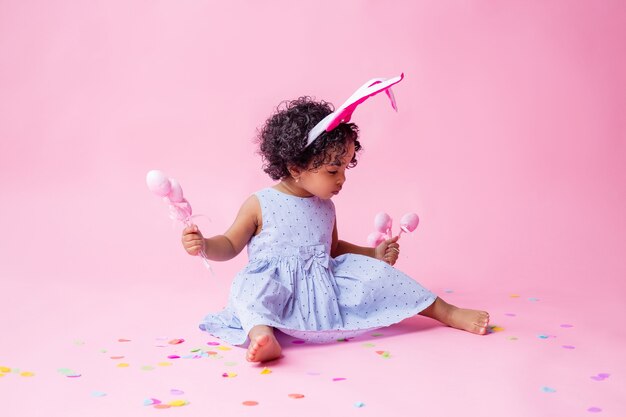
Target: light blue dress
292,284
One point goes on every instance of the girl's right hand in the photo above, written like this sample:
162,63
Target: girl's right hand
192,240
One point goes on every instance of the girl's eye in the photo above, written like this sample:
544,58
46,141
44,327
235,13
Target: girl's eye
332,172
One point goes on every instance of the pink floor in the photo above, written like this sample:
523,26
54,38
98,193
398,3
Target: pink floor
75,350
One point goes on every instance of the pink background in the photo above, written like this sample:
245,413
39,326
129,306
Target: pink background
510,143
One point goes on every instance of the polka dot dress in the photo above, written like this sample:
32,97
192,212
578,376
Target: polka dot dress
292,284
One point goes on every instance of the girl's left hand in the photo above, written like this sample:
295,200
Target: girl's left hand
388,250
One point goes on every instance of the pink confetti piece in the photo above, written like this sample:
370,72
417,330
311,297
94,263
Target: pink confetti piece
151,401
123,340
173,357
510,314
213,343
339,379
176,392
566,326
600,377
176,341
569,347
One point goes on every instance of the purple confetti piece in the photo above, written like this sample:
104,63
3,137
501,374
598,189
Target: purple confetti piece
176,392
569,347
594,409
173,357
339,379
566,326
213,343
510,314
298,342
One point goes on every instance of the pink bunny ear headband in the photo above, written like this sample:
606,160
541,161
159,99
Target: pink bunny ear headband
344,112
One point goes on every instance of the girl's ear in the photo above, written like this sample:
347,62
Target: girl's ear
294,171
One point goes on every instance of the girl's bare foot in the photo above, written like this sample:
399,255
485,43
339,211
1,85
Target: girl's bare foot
263,345
473,321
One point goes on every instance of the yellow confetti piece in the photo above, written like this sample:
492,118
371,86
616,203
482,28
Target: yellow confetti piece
223,348
515,296
229,374
123,365
368,345
1,375
164,363
496,328
266,371
4,369
178,403
27,374
147,368
512,338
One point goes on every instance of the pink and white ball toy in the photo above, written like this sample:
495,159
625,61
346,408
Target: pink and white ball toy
172,194
383,222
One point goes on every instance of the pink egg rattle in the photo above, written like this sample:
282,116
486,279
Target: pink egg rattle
172,194
383,222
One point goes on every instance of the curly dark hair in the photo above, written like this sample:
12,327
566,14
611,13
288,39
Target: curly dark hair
283,137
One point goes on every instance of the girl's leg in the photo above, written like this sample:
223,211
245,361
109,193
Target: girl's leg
263,344
474,321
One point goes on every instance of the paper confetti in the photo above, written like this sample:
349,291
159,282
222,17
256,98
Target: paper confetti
600,377
296,396
359,404
384,353
162,406
339,379
569,347
147,368
178,403
566,326
123,340
123,365
5,369
173,357
250,403
594,409
98,394
298,342
266,371
176,341
176,392
229,374
213,343
548,390
27,374
165,364
151,401
494,329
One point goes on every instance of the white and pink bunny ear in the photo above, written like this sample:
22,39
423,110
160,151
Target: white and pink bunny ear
344,113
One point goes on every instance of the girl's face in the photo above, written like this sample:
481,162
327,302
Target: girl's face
326,181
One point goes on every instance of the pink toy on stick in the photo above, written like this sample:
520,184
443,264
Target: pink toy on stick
383,222
172,193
